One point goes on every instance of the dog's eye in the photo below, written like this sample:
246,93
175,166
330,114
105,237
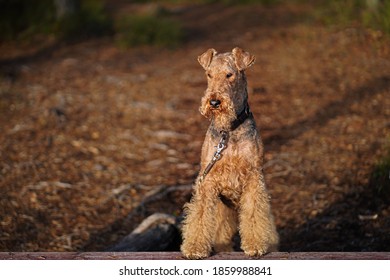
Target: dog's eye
228,75
209,75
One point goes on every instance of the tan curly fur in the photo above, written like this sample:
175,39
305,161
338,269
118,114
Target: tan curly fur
233,195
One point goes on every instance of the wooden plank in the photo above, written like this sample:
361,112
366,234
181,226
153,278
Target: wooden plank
178,256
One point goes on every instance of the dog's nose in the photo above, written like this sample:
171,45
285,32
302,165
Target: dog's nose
215,103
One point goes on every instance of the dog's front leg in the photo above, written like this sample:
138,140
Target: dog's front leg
257,229
199,224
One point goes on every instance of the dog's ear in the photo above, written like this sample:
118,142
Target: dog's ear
242,58
206,58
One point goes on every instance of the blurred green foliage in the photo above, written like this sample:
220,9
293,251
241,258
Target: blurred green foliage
380,177
244,2
148,30
23,19
91,20
379,18
20,18
210,1
373,14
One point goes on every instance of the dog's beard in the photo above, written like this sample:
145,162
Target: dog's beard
223,116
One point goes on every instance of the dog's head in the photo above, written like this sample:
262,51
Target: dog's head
226,94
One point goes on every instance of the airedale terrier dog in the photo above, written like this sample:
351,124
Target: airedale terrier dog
229,193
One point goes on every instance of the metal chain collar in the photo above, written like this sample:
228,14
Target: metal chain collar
217,155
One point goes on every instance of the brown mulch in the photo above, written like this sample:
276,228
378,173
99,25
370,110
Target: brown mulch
88,130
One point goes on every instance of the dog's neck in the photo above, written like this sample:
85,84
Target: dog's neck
241,117
236,123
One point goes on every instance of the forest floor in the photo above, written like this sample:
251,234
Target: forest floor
88,130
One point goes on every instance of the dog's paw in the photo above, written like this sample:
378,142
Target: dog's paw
196,255
195,252
255,251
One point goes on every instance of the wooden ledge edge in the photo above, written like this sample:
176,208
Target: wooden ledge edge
178,256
